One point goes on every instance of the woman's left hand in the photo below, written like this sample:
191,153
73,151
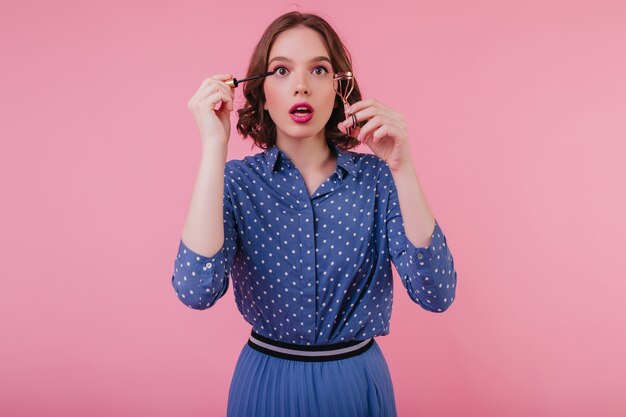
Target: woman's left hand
385,131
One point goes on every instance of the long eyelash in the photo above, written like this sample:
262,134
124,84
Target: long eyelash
319,66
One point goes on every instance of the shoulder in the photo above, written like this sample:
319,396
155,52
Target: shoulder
248,171
374,170
247,164
369,164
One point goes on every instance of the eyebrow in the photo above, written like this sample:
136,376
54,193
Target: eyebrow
316,59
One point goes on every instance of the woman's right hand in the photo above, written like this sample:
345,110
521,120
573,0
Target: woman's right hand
213,124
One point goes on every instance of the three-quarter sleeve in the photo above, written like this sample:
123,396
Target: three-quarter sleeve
199,281
427,273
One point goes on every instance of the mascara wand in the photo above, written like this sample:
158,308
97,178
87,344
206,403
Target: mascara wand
235,82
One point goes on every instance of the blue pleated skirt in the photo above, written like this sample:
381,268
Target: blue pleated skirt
268,386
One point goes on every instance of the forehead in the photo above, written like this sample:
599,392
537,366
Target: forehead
299,44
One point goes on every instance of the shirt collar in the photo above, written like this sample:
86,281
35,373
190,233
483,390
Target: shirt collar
274,157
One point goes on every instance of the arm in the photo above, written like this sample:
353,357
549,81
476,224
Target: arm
417,244
209,240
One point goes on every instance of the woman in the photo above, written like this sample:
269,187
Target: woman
307,230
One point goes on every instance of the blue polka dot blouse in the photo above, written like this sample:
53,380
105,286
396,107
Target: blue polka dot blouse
315,269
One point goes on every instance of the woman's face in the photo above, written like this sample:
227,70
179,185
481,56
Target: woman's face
301,76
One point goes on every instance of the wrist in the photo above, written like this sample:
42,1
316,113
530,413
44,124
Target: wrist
211,147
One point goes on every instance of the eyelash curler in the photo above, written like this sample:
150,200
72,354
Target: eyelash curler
345,85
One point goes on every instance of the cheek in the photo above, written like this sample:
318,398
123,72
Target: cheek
332,94
269,100
272,96
330,98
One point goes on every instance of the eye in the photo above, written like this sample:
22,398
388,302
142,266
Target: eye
279,68
320,67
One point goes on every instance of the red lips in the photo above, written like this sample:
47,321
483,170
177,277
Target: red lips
301,105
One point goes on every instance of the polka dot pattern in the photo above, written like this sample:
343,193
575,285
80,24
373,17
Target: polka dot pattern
315,269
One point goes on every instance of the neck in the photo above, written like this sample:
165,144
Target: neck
310,154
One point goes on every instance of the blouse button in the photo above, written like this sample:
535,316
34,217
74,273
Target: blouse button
209,264
420,256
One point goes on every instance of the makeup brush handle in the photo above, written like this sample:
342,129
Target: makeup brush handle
232,83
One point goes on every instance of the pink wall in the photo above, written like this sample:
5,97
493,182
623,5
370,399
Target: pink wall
517,116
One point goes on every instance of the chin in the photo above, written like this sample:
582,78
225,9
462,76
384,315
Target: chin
304,130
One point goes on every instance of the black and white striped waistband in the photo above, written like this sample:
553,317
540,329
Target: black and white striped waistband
308,353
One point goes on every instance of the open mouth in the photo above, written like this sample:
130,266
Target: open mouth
301,117
301,112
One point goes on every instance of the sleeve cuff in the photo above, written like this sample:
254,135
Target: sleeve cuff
426,256
194,262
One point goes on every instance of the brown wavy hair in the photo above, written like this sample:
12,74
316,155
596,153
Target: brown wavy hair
254,120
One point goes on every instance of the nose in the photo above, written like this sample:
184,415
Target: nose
302,90
301,87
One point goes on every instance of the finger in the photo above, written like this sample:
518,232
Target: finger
201,93
227,95
343,129
226,99
212,100
211,88
348,122
209,84
368,113
208,102
361,116
378,107
218,77
380,133
370,127
360,105
355,132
